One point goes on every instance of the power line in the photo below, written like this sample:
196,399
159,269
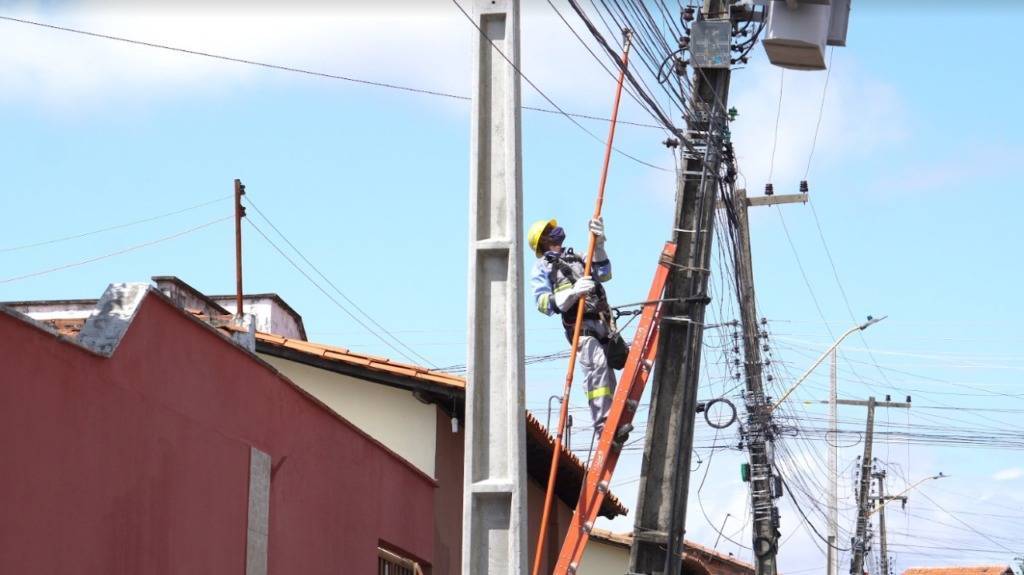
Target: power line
596,57
536,88
821,111
112,254
965,524
778,116
110,228
296,70
249,201
299,269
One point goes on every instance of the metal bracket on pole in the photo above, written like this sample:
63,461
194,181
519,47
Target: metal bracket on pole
800,198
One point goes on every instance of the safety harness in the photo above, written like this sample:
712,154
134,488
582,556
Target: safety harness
597,304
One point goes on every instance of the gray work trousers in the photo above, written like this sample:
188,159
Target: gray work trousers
598,379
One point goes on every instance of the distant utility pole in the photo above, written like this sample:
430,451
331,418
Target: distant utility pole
833,469
494,508
864,506
665,471
882,499
757,431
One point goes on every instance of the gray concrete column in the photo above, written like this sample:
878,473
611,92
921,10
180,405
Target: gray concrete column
494,507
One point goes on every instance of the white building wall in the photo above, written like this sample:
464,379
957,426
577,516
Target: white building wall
270,317
600,558
392,416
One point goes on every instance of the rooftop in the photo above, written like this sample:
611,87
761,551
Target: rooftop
691,549
433,385
964,570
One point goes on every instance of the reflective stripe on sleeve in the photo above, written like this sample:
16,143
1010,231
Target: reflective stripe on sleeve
542,302
599,392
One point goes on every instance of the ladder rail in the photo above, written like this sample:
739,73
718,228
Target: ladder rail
639,364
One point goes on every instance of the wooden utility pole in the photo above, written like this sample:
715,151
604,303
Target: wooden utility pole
665,471
239,214
864,506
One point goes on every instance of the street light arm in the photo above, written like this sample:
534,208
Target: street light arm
860,327
882,504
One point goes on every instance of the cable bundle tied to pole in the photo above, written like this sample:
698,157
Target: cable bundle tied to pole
564,410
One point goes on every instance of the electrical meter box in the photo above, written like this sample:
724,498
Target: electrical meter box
711,43
796,36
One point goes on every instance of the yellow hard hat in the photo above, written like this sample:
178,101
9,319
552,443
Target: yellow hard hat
537,230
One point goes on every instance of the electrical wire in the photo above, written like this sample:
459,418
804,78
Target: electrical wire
551,102
420,357
296,70
778,116
821,111
112,254
110,228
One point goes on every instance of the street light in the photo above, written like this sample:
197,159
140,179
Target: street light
882,504
859,327
833,455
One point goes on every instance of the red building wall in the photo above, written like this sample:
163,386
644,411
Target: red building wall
448,504
139,463
448,466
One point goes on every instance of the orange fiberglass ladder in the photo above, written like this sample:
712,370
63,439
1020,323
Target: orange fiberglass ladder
624,407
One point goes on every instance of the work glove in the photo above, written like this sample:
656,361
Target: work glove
583,286
565,299
597,228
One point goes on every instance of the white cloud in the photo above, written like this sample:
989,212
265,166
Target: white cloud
1009,474
862,115
424,44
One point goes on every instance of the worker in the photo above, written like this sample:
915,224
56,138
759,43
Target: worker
558,284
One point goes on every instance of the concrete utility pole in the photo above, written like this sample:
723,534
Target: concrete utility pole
833,469
757,432
881,498
494,509
860,542
864,507
665,470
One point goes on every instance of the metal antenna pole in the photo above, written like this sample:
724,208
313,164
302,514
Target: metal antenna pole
239,214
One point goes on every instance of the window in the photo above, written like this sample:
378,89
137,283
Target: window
390,563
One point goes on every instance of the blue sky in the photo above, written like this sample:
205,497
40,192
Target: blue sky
912,182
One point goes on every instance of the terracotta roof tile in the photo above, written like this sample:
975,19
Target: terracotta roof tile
570,469
963,570
271,338
342,355
696,550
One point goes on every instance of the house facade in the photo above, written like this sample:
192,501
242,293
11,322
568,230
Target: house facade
174,416
151,442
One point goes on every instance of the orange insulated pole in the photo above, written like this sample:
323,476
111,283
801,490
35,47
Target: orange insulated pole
564,411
